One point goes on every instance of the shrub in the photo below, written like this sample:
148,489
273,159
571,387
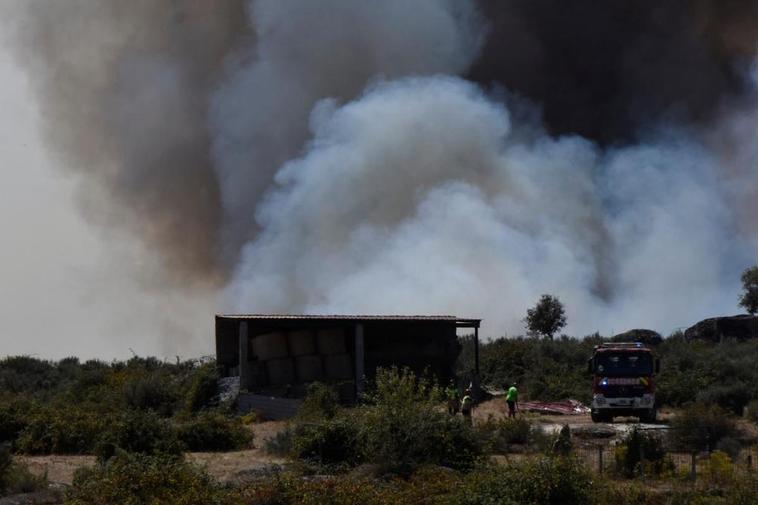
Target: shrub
730,446
329,442
138,478
212,431
732,396
13,418
282,443
15,477
641,452
150,392
719,468
700,427
499,435
61,430
321,402
204,387
545,481
139,432
563,445
405,428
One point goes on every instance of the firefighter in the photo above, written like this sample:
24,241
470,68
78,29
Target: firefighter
467,405
453,398
511,398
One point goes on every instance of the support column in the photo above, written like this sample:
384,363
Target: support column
476,353
359,360
244,356
476,387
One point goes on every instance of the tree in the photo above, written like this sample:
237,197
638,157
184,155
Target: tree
547,317
749,298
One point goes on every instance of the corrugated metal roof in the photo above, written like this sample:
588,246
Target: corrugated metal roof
355,317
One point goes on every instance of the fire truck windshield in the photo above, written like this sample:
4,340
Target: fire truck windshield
624,363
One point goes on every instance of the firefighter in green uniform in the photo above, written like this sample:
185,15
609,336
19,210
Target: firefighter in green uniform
511,398
453,398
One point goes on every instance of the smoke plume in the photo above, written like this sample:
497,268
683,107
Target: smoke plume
439,156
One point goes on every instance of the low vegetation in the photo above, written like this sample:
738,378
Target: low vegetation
398,446
142,405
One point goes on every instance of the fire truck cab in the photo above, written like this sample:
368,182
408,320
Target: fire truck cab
623,381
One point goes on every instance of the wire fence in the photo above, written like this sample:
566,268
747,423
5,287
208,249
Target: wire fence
602,459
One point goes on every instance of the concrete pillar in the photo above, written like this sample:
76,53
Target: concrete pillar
244,356
359,360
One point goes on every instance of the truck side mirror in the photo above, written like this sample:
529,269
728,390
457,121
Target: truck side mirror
657,365
589,366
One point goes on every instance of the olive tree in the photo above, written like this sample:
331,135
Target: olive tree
547,317
749,299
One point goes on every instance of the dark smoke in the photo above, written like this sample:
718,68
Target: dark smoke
124,90
607,69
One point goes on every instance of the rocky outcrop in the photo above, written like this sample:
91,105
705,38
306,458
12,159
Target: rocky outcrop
647,337
716,329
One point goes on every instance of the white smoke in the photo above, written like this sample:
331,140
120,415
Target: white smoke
421,197
305,51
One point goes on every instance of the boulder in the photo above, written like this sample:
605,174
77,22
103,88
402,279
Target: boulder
716,329
647,337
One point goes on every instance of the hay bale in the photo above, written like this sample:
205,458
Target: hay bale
301,343
270,346
331,341
309,368
338,366
280,371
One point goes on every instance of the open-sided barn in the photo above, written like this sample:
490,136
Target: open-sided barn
278,355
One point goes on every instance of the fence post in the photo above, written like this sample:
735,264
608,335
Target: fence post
600,459
693,468
749,462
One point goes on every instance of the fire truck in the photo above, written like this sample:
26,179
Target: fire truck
623,381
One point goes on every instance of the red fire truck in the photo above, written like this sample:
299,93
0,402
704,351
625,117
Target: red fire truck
623,381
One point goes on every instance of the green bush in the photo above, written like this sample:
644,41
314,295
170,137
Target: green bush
321,402
15,477
732,396
499,435
212,431
150,392
328,442
204,388
282,444
404,426
700,427
138,432
13,418
641,452
57,429
563,446
544,481
155,480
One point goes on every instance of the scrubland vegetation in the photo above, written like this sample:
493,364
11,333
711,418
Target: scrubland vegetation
723,374
398,446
